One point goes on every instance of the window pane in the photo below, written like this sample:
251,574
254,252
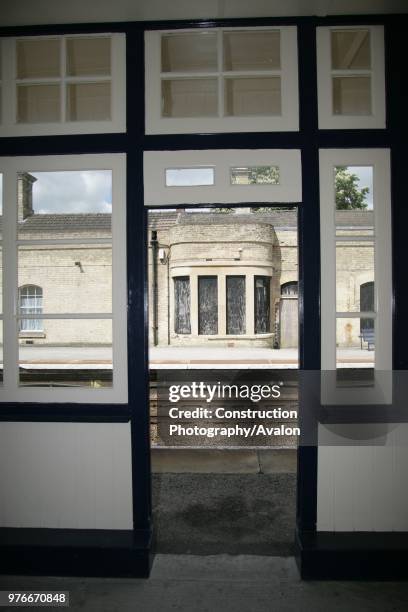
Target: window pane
354,201
72,278
251,50
88,56
262,304
189,98
38,58
61,205
235,305
38,103
255,175
189,177
68,353
192,52
352,95
355,341
89,101
182,323
207,305
30,302
354,270
350,49
253,96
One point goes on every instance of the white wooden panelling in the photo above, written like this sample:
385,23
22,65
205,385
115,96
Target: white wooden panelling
65,475
362,480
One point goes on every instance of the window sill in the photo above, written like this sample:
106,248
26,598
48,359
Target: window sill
31,334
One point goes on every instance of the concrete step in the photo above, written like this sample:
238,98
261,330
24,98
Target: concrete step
223,461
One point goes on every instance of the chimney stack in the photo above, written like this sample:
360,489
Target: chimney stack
25,183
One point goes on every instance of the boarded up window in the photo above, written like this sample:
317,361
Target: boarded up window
207,305
262,309
235,304
182,323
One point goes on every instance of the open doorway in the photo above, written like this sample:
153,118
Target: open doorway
218,279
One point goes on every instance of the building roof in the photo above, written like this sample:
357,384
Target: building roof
279,218
66,223
164,219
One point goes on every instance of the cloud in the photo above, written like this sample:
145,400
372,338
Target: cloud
72,192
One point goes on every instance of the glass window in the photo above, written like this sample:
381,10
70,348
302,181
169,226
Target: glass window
236,305
252,96
189,98
189,52
88,56
65,84
262,304
230,80
207,305
68,291
351,87
189,177
30,302
356,272
290,289
255,175
252,50
182,322
38,58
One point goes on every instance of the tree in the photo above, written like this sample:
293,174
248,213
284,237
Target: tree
348,194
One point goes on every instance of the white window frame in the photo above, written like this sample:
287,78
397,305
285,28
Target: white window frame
287,121
157,193
36,325
328,120
8,122
379,159
10,391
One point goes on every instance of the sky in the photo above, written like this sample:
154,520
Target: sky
88,191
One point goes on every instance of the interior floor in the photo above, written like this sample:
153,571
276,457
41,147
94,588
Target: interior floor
214,501
222,582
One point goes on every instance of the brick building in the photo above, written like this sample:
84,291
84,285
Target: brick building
230,278
215,278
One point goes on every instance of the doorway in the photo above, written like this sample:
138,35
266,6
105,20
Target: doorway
215,300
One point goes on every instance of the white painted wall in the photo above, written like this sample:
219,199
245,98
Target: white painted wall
27,12
65,475
362,484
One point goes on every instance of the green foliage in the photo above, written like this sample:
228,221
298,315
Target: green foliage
348,194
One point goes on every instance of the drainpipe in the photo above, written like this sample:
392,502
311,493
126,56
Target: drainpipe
154,245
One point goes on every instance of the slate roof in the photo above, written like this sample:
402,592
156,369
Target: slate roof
280,218
162,220
66,223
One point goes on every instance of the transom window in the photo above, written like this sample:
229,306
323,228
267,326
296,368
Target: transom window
63,84
221,80
351,86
